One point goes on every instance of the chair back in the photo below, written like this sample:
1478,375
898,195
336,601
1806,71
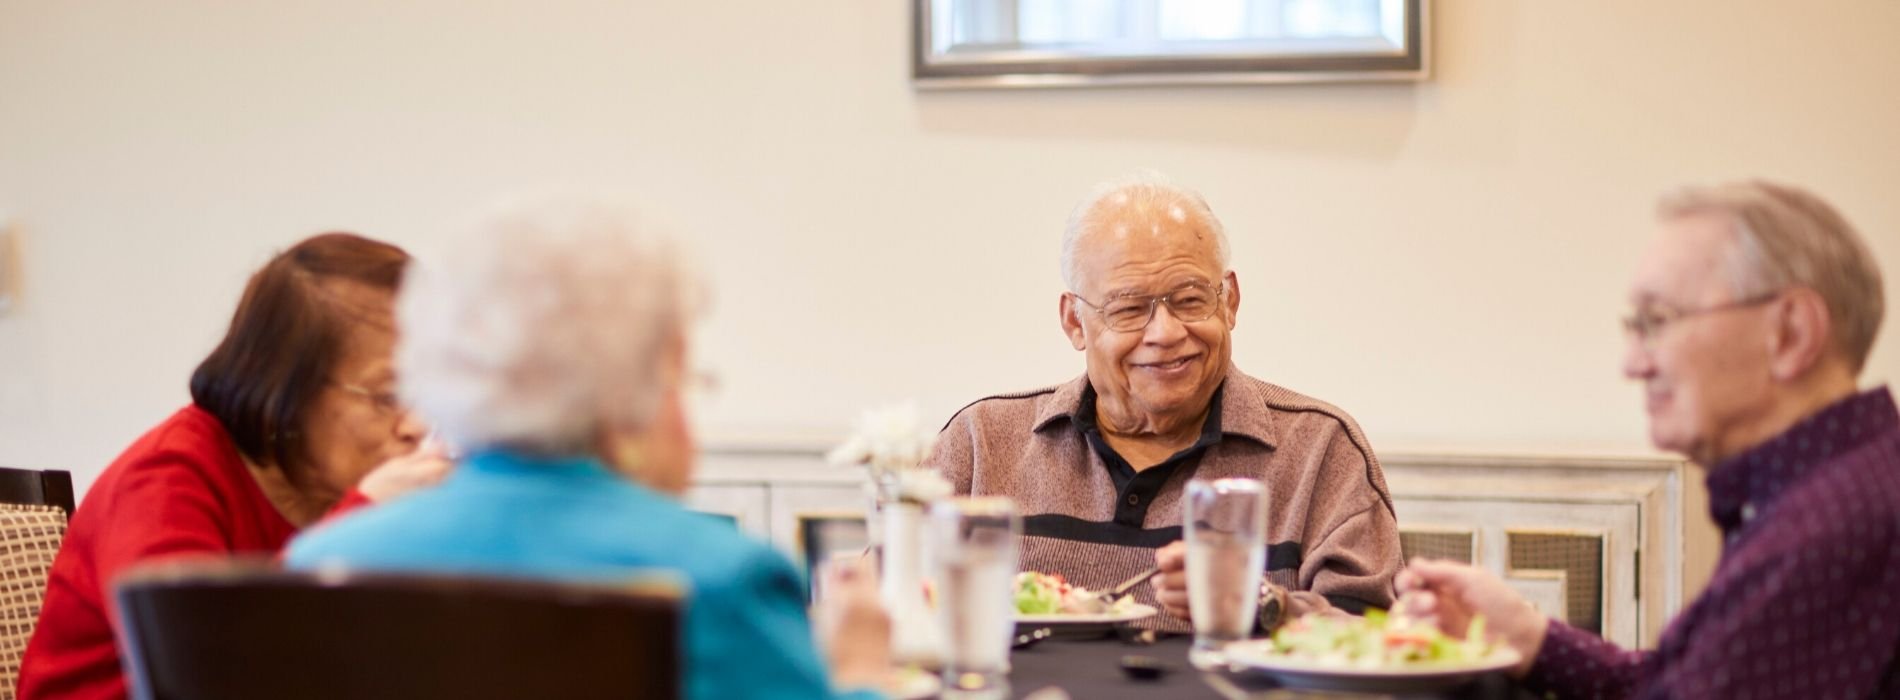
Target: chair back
34,506
211,631
34,487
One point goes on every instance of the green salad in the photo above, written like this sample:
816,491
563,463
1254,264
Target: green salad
1379,641
1049,594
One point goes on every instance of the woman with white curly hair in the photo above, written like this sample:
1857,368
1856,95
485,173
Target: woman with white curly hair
549,343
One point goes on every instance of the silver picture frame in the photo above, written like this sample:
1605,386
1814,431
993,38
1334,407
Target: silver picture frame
945,57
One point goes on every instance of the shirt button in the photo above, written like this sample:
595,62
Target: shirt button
1134,500
1748,512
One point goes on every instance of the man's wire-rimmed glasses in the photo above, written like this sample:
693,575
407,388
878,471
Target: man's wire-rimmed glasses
1189,303
1648,321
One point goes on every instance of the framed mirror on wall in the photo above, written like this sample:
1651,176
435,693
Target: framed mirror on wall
1076,43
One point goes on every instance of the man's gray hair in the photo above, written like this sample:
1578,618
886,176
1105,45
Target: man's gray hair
539,323
1144,197
1788,237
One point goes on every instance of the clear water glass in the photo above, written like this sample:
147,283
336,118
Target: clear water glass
973,551
1225,523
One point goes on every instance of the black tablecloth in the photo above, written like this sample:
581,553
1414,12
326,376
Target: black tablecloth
1090,670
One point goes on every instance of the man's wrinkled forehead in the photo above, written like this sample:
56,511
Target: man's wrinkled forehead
1686,261
1125,225
1122,215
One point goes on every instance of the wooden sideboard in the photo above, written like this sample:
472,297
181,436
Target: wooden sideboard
1615,545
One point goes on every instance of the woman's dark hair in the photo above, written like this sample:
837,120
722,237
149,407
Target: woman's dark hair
285,340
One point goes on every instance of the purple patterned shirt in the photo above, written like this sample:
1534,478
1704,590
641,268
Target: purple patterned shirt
1805,601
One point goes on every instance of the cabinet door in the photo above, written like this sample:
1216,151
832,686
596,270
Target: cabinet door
746,504
1576,561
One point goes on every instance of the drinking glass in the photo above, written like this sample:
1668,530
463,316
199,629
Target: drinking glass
973,548
1226,524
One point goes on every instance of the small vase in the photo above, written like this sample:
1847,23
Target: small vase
914,634
880,492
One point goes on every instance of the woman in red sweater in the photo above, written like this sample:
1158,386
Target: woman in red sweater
288,415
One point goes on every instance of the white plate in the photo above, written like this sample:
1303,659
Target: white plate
914,684
1303,674
1135,611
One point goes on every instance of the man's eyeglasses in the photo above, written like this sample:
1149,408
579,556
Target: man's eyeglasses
1192,302
1647,322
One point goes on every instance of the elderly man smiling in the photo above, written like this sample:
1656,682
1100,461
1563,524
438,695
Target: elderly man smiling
1756,308
1098,464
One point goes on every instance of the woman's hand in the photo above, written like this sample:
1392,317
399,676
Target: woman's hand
400,475
1452,593
852,624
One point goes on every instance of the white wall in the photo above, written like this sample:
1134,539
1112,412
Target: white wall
1445,260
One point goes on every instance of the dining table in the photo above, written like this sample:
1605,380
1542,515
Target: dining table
1091,668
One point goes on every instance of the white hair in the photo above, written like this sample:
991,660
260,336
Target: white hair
1786,236
1143,198
542,321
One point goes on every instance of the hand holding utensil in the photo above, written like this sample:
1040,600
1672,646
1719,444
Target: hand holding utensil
1107,598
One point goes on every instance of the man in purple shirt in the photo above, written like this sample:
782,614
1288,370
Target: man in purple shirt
1755,310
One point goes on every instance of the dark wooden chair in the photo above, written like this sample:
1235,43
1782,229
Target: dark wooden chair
34,507
32,487
224,631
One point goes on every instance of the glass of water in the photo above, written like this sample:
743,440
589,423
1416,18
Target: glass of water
973,547
1226,528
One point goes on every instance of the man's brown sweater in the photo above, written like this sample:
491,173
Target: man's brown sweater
1088,515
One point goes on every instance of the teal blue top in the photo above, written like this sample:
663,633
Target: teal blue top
746,633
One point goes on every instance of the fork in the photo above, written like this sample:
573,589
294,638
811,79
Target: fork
1109,596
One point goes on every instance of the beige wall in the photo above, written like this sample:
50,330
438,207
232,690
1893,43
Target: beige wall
1445,260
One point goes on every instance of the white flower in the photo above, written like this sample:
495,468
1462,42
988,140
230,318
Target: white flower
921,486
853,452
887,439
